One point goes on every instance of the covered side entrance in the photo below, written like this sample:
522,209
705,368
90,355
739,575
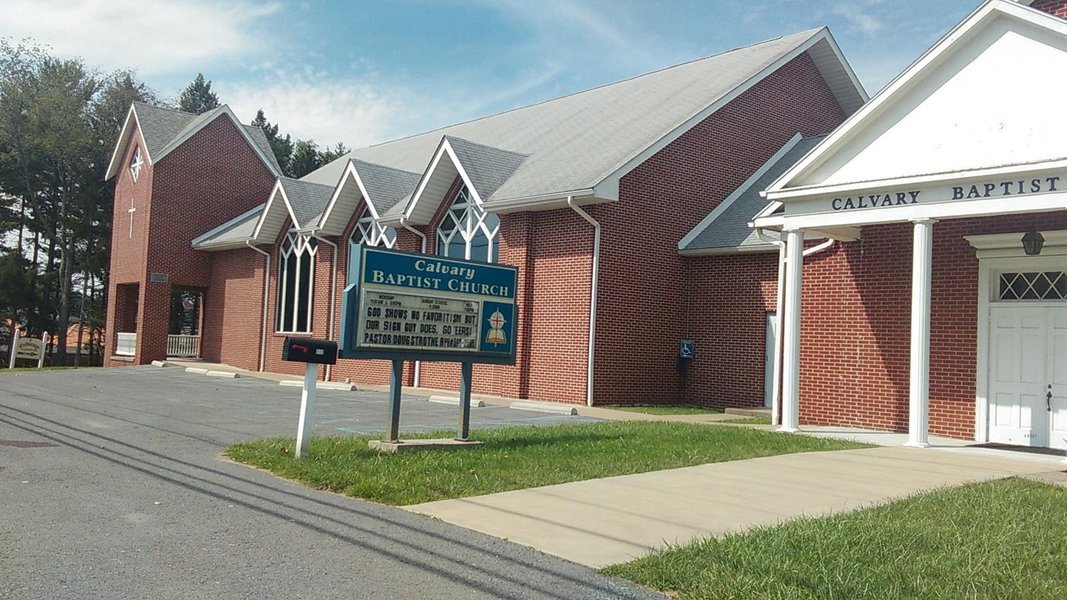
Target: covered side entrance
942,149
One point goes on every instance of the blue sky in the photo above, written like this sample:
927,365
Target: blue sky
364,71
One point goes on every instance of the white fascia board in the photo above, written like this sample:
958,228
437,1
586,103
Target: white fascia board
900,85
554,200
350,174
267,210
753,249
123,141
729,200
608,186
223,110
989,207
814,191
444,149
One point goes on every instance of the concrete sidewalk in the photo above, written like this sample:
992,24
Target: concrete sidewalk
613,520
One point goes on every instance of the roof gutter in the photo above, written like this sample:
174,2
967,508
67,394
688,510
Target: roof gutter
592,297
333,291
422,236
263,327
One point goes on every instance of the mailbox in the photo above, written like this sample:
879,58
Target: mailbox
309,350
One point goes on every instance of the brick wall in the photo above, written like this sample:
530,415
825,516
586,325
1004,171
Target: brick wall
729,300
233,305
856,318
643,306
1056,8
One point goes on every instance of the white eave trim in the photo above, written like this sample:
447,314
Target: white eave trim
752,249
444,148
899,86
608,186
353,173
124,141
737,193
198,241
266,210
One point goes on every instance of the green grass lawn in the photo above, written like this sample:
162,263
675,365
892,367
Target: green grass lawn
750,421
4,369
668,410
1002,539
515,458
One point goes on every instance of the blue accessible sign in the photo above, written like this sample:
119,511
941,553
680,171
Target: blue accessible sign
408,306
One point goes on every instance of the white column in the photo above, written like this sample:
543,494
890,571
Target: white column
307,410
794,264
919,388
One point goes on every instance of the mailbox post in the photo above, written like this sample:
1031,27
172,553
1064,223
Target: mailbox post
314,353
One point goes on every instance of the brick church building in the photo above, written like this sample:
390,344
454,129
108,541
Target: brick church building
725,200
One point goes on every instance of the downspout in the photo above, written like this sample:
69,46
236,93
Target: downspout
776,384
592,298
422,236
333,293
266,290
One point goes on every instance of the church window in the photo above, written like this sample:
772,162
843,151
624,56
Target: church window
369,233
467,231
296,283
135,164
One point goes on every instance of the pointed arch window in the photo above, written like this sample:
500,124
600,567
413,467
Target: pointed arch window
369,232
467,231
296,283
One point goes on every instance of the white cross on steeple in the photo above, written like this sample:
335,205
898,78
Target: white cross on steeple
131,211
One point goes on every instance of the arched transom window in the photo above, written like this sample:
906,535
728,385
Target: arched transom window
369,233
467,231
296,283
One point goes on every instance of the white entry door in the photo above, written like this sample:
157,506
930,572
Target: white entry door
1028,375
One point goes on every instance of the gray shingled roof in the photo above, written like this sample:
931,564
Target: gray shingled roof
160,126
307,200
729,231
487,167
575,142
385,186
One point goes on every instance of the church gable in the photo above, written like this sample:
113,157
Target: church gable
980,99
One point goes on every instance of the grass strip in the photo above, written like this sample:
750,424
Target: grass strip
668,410
1001,539
514,458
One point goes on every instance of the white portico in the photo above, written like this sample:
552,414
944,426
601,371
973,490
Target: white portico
972,130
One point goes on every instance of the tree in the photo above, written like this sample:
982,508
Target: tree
306,158
332,154
198,97
282,146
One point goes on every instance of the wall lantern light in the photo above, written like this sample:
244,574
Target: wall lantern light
1032,243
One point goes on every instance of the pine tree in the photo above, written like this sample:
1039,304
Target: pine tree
198,97
282,146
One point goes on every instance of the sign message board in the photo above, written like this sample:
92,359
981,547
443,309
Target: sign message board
29,349
402,305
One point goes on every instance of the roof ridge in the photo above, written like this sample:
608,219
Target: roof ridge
381,166
805,33
481,145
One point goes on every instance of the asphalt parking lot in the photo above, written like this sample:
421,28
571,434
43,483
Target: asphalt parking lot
111,486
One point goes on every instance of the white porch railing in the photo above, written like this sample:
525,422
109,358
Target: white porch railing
126,344
183,346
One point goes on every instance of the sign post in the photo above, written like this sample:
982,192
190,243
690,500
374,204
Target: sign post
404,306
314,353
14,345
28,349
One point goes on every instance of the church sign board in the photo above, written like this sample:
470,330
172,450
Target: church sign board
408,306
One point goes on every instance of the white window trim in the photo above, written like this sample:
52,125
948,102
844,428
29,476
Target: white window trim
136,163
378,232
300,245
473,219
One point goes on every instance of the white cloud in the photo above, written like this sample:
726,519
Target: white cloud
325,110
855,15
153,36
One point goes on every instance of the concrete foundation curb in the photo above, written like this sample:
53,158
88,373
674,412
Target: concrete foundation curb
547,407
159,363
226,374
196,370
322,385
419,445
454,401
